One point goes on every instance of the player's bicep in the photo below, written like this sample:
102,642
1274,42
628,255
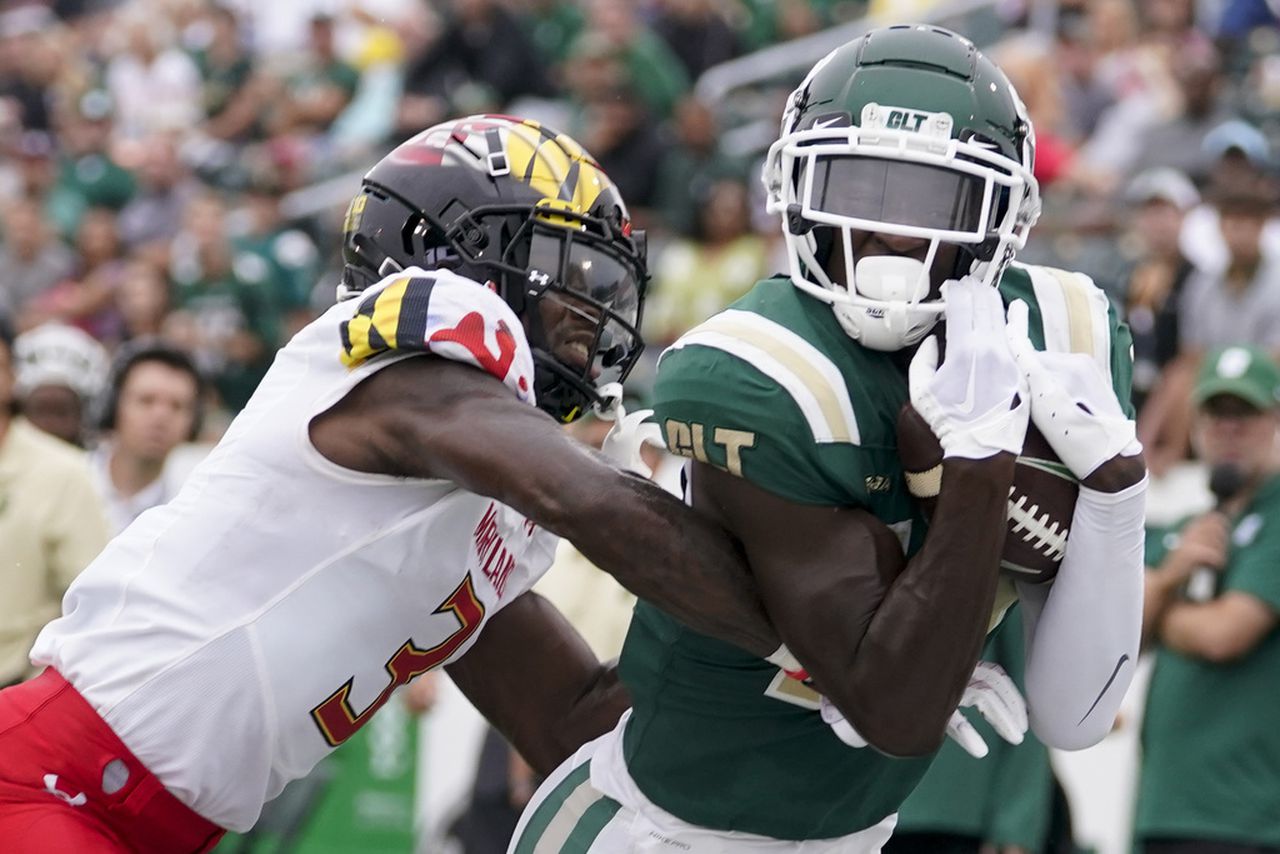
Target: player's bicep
822,570
432,418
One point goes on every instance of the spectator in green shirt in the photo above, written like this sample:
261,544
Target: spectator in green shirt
1210,772
88,175
652,70
314,97
225,310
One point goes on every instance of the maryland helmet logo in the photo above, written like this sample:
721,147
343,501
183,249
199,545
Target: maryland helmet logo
552,164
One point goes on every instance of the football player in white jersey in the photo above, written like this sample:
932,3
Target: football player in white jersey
394,487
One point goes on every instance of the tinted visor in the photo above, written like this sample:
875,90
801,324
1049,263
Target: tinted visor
590,303
899,192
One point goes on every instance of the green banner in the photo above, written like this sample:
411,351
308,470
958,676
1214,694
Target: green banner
360,800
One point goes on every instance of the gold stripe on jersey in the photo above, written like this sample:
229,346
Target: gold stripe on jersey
1073,312
1006,595
1079,316
812,379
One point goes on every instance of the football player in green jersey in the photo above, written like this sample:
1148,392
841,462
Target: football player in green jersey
903,179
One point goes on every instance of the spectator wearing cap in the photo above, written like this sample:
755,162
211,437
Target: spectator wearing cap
1151,291
1240,302
152,405
60,372
51,523
1210,767
1237,304
88,175
1238,159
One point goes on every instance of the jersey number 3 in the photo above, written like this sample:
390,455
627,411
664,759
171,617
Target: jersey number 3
335,717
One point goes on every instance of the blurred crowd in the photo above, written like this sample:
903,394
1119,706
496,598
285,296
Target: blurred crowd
167,167
178,168
173,173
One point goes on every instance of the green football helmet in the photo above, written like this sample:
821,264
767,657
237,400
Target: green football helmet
910,131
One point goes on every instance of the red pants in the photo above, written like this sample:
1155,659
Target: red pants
68,785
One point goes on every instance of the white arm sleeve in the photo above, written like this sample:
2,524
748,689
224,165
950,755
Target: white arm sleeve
1083,630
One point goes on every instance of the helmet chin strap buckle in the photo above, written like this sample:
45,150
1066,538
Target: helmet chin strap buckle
891,278
609,406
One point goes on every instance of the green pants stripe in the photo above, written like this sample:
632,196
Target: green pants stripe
590,825
550,807
569,819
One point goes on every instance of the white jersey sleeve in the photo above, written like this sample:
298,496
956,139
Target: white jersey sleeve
444,314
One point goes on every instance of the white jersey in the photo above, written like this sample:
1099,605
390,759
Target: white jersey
234,636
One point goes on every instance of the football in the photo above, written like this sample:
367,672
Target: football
1042,498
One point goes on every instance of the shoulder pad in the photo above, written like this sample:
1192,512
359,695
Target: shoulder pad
757,409
1074,315
809,377
444,314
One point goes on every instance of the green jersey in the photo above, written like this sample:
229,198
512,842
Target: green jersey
774,391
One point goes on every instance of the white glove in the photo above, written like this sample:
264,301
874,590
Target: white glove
975,403
629,432
990,691
1072,402
843,729
997,699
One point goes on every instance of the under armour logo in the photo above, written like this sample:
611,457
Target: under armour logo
539,278
51,786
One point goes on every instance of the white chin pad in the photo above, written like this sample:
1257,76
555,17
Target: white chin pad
891,278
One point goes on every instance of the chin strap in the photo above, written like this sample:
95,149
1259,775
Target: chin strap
630,431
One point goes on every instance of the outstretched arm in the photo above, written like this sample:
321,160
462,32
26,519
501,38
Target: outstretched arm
534,677
430,418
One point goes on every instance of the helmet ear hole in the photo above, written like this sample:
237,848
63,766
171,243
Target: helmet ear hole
409,231
796,223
